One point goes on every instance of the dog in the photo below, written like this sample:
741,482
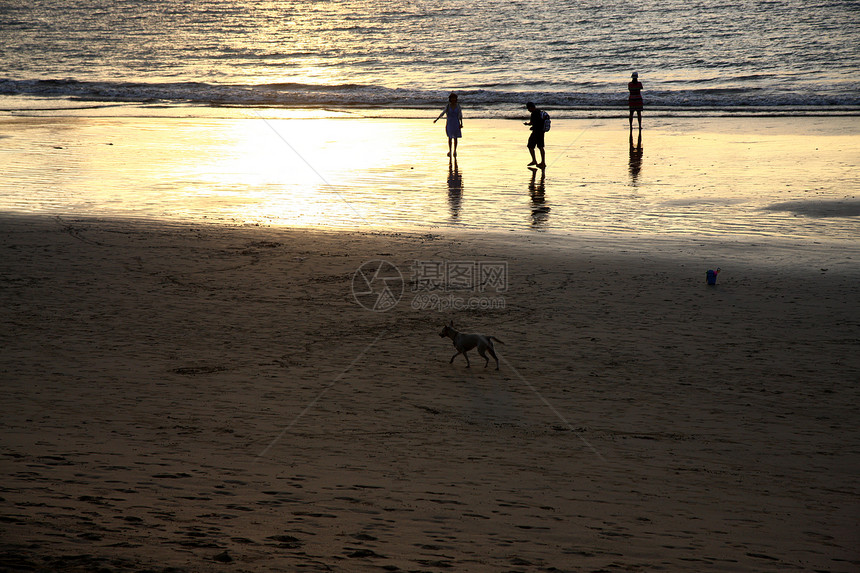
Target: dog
466,342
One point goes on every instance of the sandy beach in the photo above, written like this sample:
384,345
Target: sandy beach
233,239
215,398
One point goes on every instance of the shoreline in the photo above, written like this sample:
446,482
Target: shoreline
202,397
24,106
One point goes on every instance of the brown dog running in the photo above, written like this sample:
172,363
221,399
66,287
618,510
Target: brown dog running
465,342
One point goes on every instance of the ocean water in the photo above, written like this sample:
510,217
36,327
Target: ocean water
317,114
694,56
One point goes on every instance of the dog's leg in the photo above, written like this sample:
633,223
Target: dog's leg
483,355
493,354
466,356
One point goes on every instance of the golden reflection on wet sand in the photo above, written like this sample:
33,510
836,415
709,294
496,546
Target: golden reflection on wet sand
716,176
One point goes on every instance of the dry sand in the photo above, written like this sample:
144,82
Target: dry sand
192,398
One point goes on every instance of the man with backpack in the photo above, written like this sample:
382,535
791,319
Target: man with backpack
539,123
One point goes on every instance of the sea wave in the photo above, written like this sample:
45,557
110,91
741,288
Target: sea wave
351,95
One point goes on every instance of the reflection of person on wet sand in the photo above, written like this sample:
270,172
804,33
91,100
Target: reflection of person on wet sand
455,188
634,100
454,123
635,158
537,192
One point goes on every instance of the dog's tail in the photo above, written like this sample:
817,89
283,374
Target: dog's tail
496,339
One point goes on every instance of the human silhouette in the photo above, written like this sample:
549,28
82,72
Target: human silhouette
454,123
634,100
536,139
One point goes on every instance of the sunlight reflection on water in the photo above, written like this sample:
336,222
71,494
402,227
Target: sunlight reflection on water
394,174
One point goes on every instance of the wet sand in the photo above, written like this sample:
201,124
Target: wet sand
706,177
213,398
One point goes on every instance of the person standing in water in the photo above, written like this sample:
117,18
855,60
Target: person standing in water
634,100
536,139
454,124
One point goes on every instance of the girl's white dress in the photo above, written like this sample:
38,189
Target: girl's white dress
452,125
